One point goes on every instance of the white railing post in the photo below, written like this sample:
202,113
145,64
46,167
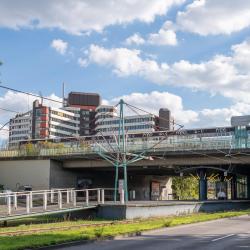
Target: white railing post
87,197
122,196
31,200
27,203
60,199
15,201
74,198
52,196
68,196
72,195
103,196
98,196
9,204
45,200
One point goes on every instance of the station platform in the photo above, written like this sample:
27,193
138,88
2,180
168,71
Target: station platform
146,209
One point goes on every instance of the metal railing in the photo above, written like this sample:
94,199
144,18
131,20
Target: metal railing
174,145
18,204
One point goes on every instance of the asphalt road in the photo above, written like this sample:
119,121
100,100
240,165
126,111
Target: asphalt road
232,233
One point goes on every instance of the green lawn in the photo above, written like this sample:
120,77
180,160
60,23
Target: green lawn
33,240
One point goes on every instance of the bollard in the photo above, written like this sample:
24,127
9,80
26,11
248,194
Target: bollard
52,196
87,197
15,201
9,204
122,196
98,196
103,198
31,200
68,196
60,199
27,203
45,201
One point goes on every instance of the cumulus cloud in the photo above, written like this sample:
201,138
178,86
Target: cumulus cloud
213,17
153,101
79,16
82,62
21,103
59,45
165,36
135,39
227,75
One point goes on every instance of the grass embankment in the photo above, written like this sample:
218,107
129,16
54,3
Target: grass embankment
75,230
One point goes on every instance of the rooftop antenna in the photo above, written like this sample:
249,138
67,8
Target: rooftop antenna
41,96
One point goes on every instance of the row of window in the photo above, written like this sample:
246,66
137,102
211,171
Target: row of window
64,122
63,129
20,126
18,138
64,115
19,132
20,121
127,120
127,128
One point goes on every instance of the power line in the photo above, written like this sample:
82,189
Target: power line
9,110
26,93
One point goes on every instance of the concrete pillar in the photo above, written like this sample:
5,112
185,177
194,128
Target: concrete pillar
202,185
248,187
234,187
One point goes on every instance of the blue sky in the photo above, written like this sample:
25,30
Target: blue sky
189,56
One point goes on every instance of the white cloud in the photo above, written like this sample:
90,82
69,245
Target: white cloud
79,16
212,17
153,101
59,45
135,39
228,75
19,102
165,36
83,63
126,62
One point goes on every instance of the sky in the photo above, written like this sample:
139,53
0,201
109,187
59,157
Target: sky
190,56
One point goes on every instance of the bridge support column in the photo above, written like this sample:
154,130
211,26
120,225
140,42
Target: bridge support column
234,187
202,185
248,187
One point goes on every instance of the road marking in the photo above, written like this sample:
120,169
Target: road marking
221,238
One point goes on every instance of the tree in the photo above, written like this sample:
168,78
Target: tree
185,188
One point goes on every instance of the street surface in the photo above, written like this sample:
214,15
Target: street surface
231,233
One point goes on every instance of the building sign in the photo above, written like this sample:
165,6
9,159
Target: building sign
155,190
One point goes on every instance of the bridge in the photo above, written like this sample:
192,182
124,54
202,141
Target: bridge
203,153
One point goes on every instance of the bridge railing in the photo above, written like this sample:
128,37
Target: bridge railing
138,146
17,204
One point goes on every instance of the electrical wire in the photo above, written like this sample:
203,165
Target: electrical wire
27,93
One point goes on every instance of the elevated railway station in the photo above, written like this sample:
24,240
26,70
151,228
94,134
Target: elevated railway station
152,159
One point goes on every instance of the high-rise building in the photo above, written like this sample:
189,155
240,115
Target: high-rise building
166,122
76,118
86,104
107,121
48,122
20,128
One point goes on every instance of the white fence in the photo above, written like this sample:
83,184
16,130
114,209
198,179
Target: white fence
45,201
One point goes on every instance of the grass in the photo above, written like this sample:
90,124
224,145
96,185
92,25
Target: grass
33,240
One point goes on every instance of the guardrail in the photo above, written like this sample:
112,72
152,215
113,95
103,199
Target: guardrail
14,204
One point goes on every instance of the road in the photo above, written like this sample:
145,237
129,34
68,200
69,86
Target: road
231,233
